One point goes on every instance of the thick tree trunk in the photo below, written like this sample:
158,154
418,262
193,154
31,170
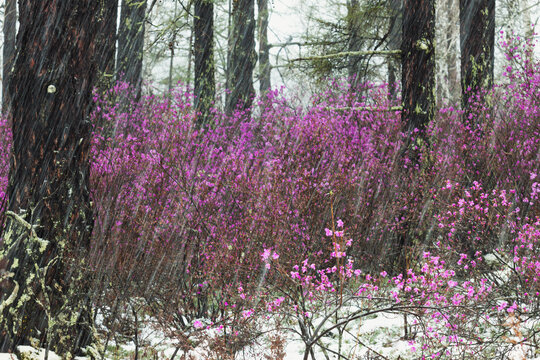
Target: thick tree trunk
418,64
264,49
131,42
477,39
242,56
418,86
107,42
205,83
10,32
49,221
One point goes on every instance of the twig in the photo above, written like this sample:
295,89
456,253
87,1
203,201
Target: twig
349,53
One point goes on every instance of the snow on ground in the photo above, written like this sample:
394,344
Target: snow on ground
379,334
7,357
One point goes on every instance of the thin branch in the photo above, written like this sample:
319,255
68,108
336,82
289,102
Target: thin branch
365,108
350,53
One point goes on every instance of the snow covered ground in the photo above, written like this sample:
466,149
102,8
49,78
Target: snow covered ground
379,336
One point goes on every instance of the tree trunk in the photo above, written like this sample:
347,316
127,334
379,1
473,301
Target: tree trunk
10,32
452,52
131,42
394,43
477,38
229,48
107,42
353,9
242,56
418,86
203,48
44,297
264,49
418,64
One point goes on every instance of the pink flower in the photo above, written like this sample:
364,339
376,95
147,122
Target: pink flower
512,308
328,232
247,313
340,223
266,254
197,324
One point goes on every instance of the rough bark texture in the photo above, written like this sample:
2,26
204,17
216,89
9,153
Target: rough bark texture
10,32
477,40
418,63
418,86
43,297
242,56
205,83
106,50
131,42
264,49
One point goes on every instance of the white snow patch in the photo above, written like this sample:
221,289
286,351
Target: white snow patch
6,356
31,353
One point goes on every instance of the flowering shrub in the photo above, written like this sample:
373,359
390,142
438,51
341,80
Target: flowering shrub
230,223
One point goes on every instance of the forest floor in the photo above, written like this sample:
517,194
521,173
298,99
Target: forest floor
377,337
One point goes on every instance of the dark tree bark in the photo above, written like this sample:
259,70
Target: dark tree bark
418,64
418,86
44,297
10,32
107,42
477,41
394,43
131,42
205,84
242,56
264,49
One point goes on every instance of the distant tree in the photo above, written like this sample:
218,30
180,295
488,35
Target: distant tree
203,48
131,42
477,39
10,32
43,297
350,44
264,49
242,56
354,42
394,43
452,51
418,64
